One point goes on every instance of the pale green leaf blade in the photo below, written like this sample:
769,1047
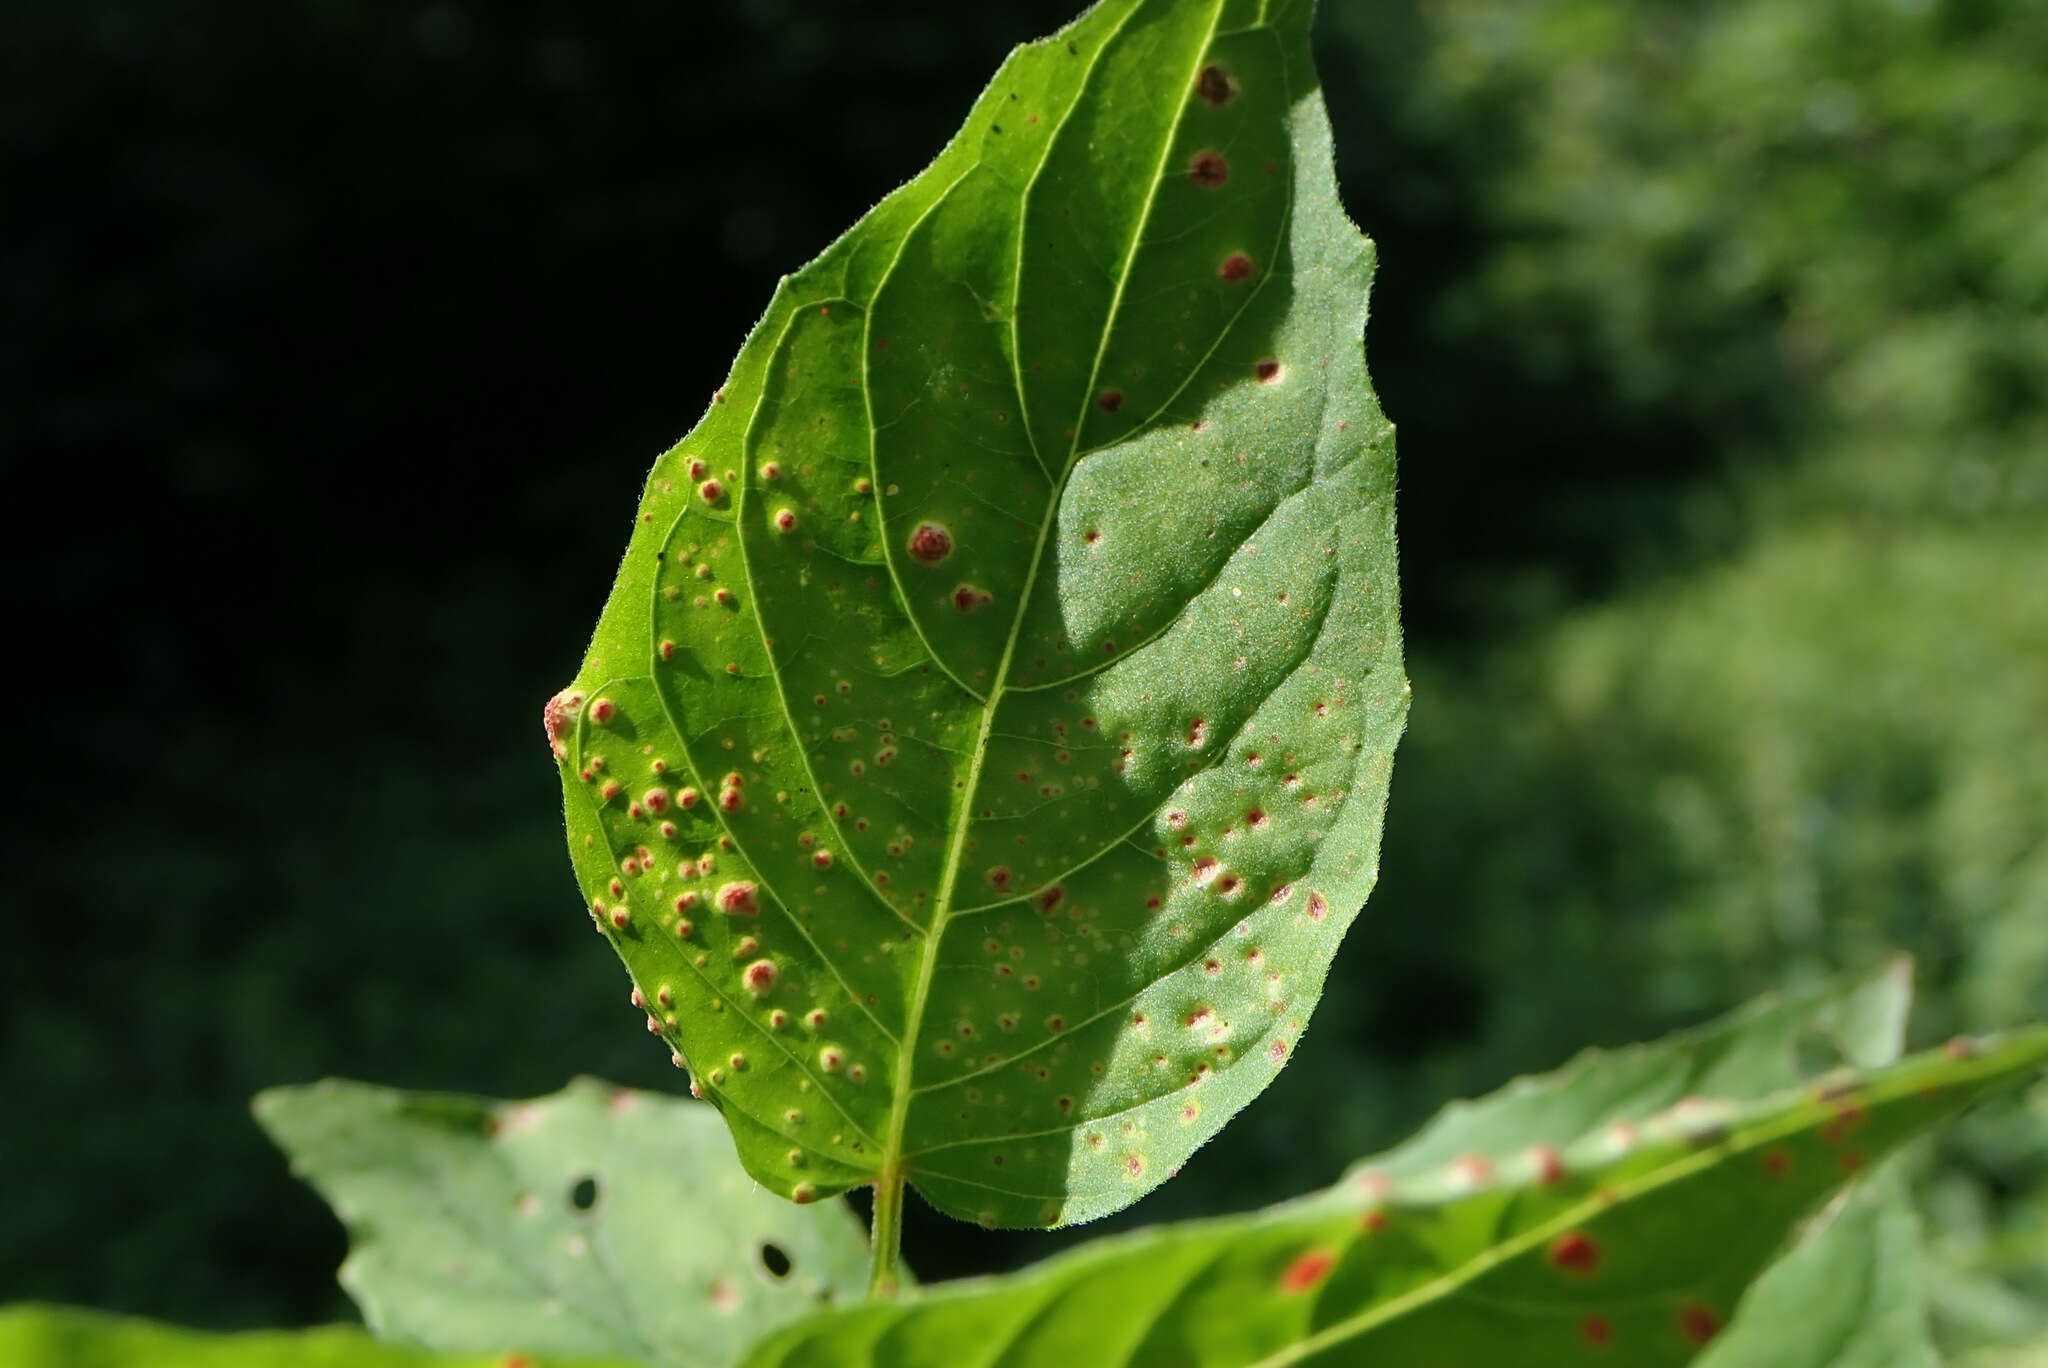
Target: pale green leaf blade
984,748
1635,1243
33,1336
1850,1296
598,1221
2034,1355
1761,1048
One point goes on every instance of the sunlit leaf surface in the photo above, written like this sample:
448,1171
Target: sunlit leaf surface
984,749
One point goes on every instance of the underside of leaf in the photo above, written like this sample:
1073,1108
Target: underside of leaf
985,746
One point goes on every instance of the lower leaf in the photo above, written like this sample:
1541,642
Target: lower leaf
598,1221
1635,1240
1850,1296
65,1337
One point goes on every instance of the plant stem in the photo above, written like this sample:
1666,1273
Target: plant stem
885,1243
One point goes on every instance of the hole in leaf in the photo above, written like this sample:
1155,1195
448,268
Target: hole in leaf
583,1194
775,1259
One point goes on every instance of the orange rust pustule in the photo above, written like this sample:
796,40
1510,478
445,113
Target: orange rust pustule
1306,1271
1575,1252
930,543
556,717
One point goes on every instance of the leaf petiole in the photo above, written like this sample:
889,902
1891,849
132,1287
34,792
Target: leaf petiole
886,1239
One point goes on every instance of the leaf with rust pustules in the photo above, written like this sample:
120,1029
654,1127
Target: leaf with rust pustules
1604,1214
984,749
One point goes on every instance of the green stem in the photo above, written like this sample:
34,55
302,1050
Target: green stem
886,1241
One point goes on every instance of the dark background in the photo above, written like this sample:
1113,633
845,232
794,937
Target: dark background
1713,334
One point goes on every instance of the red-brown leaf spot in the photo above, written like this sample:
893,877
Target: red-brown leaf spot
1575,1252
1216,86
1698,1322
930,543
1306,1271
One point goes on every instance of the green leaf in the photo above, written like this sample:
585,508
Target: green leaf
2034,1355
1850,1296
1759,1049
984,748
65,1337
1630,1240
596,1222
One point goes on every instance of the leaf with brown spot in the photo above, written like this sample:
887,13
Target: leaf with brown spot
1622,1209
1051,499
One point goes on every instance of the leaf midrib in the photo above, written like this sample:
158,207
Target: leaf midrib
942,910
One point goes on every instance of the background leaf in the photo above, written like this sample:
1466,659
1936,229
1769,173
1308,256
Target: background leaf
1852,1295
595,1222
1634,1237
985,745
1762,1048
65,1337
2033,1355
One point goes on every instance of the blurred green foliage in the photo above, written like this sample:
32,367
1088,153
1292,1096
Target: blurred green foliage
1811,720
1718,338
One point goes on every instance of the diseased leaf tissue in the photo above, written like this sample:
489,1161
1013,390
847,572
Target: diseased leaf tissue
984,748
